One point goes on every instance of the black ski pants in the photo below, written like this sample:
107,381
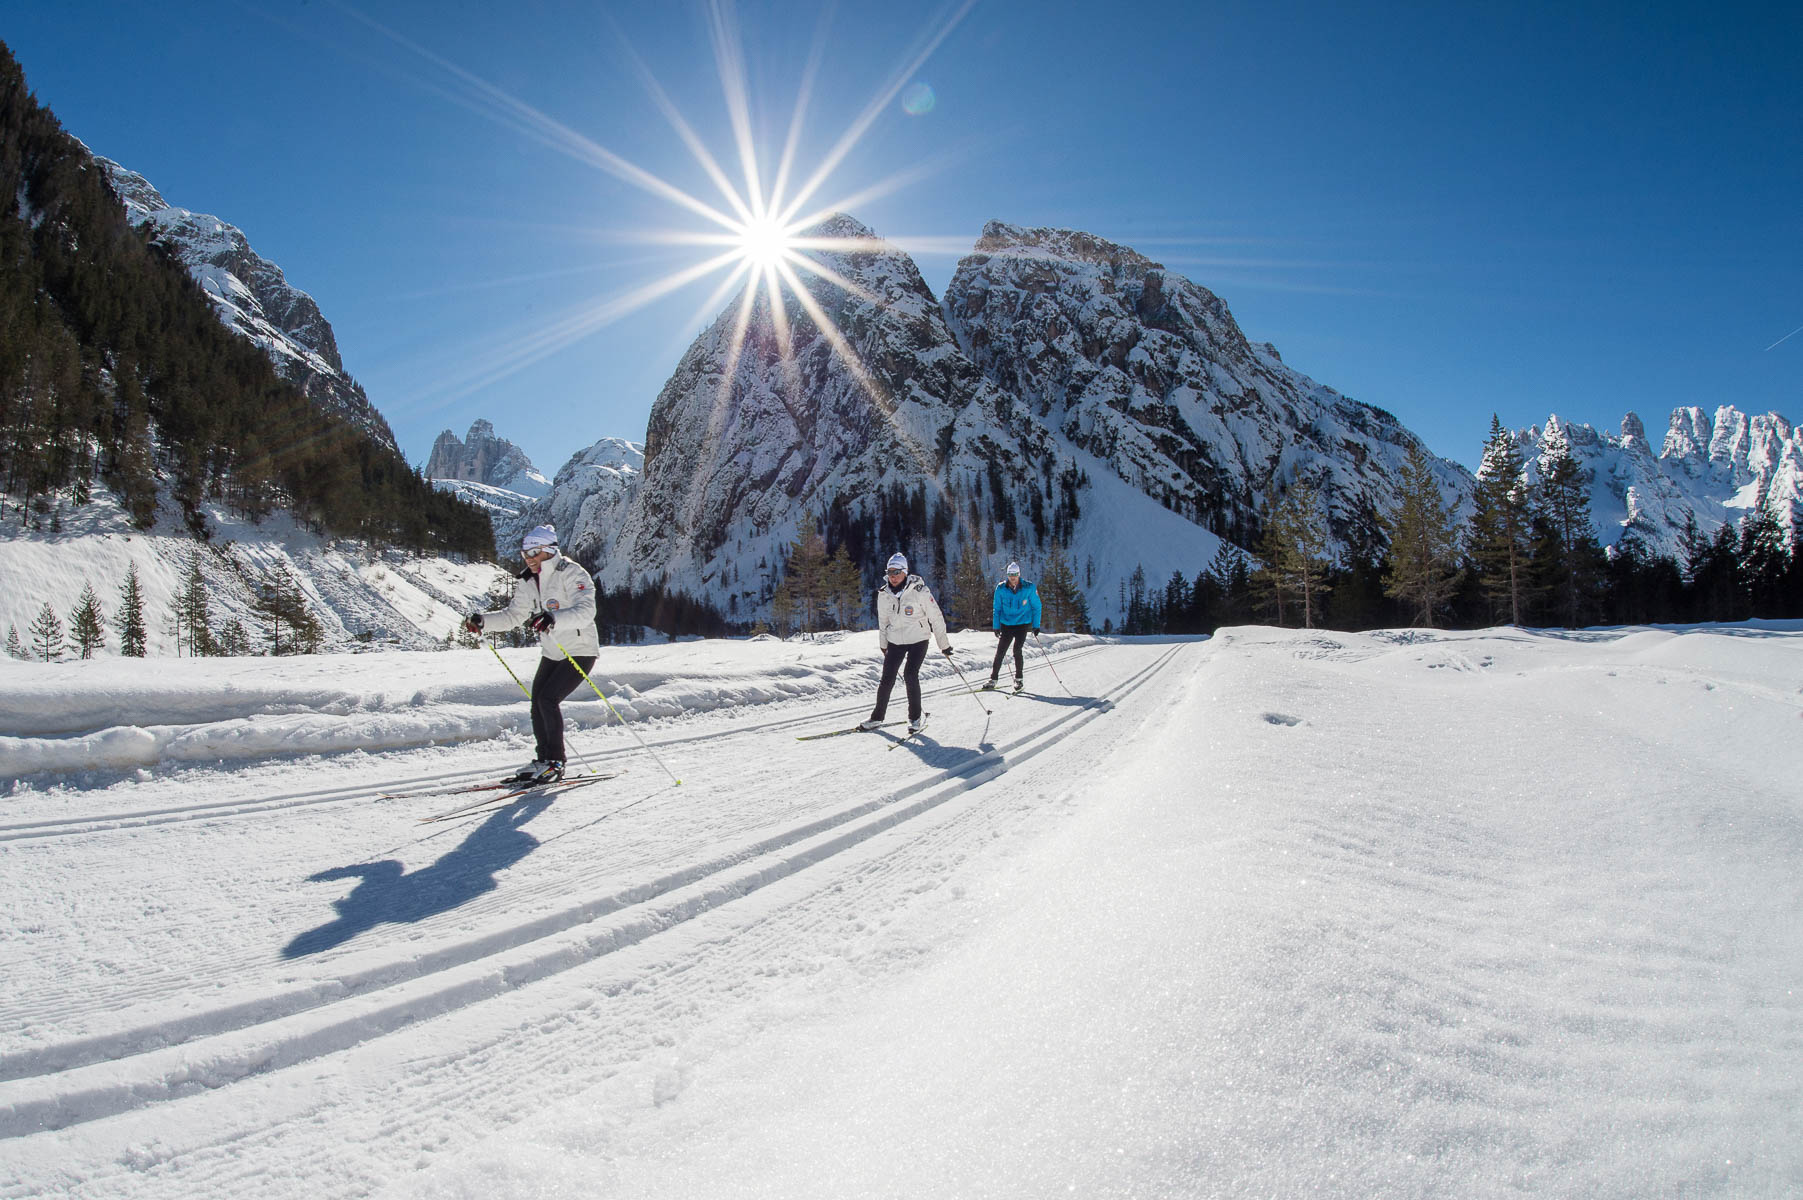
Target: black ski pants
555,680
1015,635
913,655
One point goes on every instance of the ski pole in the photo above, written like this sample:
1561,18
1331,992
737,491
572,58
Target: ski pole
613,710
1054,670
579,756
967,687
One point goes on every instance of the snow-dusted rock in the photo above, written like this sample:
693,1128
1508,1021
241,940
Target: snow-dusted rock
1150,373
253,298
1717,468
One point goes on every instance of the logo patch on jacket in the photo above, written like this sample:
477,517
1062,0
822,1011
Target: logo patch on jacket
908,611
551,606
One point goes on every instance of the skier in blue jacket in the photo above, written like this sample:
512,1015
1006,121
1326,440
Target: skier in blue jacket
1014,612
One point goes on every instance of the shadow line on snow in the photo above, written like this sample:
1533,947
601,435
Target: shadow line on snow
387,894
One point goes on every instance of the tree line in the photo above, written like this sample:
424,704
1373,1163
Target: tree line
114,369
1528,554
278,607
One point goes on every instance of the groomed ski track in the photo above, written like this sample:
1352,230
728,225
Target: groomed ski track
581,929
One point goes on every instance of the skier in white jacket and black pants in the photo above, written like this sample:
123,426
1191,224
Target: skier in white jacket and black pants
555,598
906,615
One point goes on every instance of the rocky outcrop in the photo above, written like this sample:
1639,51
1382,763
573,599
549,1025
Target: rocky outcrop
1715,467
482,457
1150,373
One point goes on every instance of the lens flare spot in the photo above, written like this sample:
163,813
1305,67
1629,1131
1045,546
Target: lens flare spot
918,100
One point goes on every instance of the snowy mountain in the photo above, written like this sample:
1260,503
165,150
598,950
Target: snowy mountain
254,298
1718,468
482,457
587,502
1149,373
489,472
744,444
1066,390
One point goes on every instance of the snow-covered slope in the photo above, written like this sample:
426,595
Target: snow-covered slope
362,598
1483,914
254,298
586,503
1716,468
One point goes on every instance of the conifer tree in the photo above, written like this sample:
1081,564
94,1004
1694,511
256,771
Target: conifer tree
1424,569
87,625
1296,546
1567,556
130,617
1497,539
234,642
13,646
193,611
1231,578
47,633
845,590
972,591
1062,607
805,583
1764,559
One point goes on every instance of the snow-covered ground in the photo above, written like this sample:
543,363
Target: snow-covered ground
1392,914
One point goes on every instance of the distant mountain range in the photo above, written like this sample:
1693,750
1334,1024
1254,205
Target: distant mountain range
1065,389
1713,468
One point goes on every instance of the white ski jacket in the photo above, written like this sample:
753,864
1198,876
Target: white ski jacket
908,616
563,589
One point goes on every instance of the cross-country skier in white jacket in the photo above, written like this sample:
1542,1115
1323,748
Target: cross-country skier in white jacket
555,598
906,615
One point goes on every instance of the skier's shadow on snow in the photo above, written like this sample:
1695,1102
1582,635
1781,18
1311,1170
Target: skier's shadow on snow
388,894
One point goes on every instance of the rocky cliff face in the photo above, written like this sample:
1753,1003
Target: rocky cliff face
587,502
1718,467
886,435
1067,390
1148,373
253,298
482,457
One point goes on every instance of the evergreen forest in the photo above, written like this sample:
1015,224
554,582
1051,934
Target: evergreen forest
115,371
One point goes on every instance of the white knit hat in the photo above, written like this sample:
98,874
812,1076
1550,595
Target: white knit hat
1013,569
542,537
897,562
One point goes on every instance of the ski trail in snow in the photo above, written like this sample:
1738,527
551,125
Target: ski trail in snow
167,1055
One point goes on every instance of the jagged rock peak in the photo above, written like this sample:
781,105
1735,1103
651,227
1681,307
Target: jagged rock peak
1069,245
483,457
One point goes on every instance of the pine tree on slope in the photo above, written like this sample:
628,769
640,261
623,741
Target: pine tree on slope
87,625
130,617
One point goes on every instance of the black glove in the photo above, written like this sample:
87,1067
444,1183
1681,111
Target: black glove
1036,633
948,651
473,623
541,622
998,633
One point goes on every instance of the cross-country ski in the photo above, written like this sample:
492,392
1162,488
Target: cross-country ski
518,794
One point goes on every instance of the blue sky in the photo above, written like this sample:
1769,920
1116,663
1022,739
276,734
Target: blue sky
1445,210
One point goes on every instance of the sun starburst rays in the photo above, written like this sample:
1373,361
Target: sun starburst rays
761,231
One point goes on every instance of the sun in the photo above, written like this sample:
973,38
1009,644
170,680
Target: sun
765,243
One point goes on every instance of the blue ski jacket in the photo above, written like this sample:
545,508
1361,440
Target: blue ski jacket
1013,607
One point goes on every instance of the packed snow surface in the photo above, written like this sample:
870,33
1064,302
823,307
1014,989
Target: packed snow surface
1402,913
